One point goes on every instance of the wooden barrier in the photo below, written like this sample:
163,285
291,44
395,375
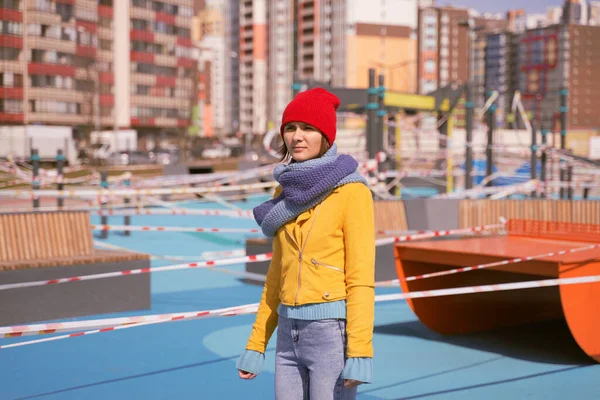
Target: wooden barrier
37,246
460,314
44,235
390,215
47,239
483,212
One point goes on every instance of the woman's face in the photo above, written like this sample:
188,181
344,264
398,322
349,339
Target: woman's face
302,141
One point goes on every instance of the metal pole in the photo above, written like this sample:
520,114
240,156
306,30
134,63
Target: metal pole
449,160
469,138
60,162
382,166
533,155
563,134
490,142
127,200
398,153
103,218
563,118
544,160
296,86
570,180
391,134
35,183
372,106
563,178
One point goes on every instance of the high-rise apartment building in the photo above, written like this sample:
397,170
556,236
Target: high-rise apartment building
97,64
382,35
443,45
445,49
540,63
320,27
253,66
215,32
280,58
48,62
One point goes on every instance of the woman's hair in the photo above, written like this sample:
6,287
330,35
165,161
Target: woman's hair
284,155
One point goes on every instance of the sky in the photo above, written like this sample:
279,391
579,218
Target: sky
530,6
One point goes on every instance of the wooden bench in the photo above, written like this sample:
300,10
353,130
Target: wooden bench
459,314
37,246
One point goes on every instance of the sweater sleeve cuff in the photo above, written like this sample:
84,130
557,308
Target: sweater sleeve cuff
359,369
251,361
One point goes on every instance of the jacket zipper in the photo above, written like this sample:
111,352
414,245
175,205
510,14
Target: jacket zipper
318,263
300,251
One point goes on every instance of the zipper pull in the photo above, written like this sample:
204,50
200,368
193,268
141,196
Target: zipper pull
299,255
315,263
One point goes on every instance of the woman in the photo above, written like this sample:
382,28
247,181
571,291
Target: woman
319,289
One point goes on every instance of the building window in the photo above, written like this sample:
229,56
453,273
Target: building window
45,5
12,4
430,65
9,79
10,28
65,11
9,54
11,106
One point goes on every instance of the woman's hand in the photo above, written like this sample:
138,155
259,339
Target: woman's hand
350,383
246,375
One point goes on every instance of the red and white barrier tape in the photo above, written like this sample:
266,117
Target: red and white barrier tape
177,211
111,324
135,228
135,192
432,234
394,282
248,259
204,256
202,264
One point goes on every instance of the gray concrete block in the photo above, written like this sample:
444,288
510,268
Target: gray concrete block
431,214
74,299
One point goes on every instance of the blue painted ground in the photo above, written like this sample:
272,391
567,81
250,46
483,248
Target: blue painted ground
196,359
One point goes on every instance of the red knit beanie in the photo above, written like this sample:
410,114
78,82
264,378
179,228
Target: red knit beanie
314,107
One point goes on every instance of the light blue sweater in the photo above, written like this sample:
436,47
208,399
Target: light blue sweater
359,369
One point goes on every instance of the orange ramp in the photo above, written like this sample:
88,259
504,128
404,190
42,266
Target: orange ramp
459,314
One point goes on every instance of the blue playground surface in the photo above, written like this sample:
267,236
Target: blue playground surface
196,359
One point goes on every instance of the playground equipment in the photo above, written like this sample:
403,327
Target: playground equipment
568,250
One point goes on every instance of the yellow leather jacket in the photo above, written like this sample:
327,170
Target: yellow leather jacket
326,254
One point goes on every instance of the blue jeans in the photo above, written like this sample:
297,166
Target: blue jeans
309,360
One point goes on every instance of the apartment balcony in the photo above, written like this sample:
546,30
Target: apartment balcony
306,25
43,43
142,13
105,55
184,22
163,122
59,119
12,66
48,93
163,38
43,17
165,61
247,46
151,101
305,11
105,33
143,79
85,73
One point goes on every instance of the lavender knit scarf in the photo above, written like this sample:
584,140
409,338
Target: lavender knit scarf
305,184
